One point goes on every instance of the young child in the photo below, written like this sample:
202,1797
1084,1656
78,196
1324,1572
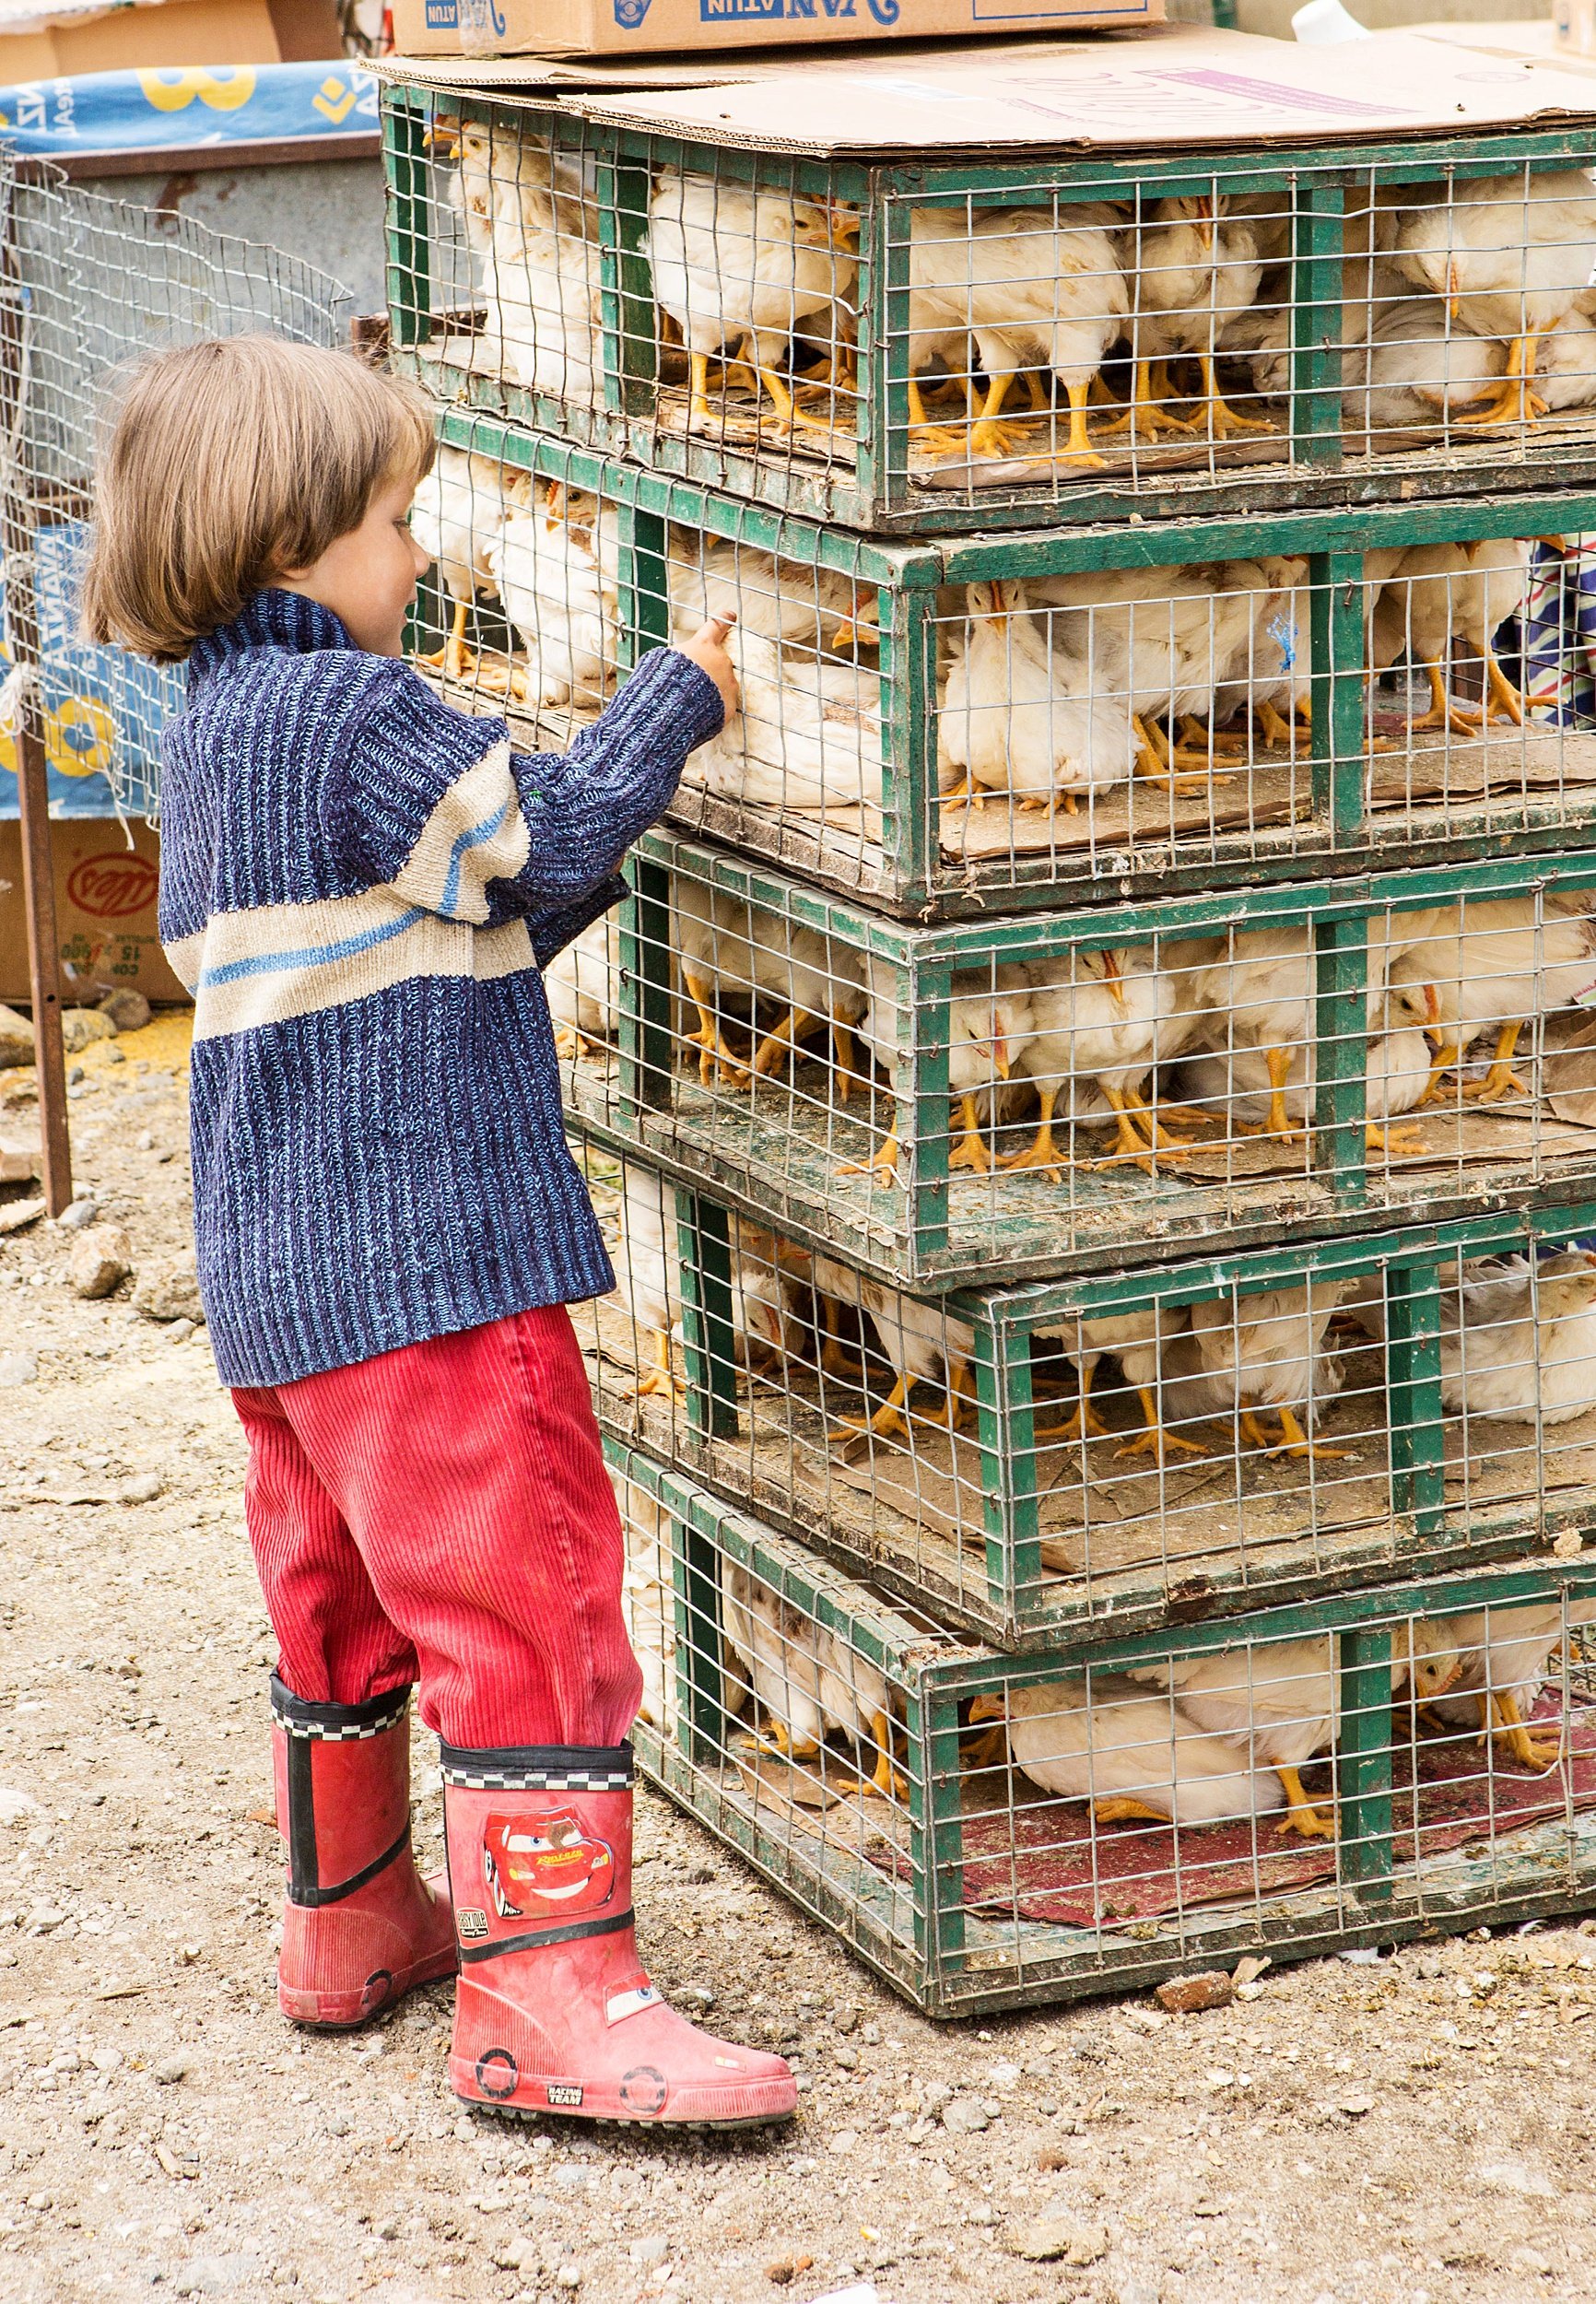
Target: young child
360,886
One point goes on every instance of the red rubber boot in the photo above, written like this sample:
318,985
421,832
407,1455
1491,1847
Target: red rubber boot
553,2012
360,1925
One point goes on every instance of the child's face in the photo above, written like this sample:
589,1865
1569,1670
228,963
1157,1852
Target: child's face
368,577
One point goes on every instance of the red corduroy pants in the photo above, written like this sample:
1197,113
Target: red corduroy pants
442,1513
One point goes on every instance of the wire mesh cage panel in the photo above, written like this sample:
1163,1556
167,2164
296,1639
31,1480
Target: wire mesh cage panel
1048,1093
1122,1452
925,727
90,285
988,1831
963,343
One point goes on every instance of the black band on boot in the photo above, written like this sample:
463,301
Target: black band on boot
306,1725
535,1938
338,1723
539,1768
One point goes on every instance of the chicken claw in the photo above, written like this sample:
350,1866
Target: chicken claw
1509,1726
1302,1815
882,1166
1157,1437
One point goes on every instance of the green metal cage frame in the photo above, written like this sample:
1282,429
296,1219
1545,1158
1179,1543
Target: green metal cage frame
950,1961
878,492
1004,1594
930,1233
913,877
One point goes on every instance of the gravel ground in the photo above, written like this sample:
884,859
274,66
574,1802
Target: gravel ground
1414,2128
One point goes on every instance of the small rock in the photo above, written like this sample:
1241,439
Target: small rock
846,2056
569,2276
171,2068
388,2229
511,2254
1569,1546
127,1011
934,2095
1516,2176
79,1212
846,2140
16,1040
1186,1995
142,1489
20,1215
1356,2107
1532,2260
168,1289
101,1261
336,2123
81,1027
15,1805
785,2270
215,2275
653,2250
180,1330
18,1368
19,1163
965,2117
1057,2237
108,2060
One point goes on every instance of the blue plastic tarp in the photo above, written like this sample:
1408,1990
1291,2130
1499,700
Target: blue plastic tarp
134,112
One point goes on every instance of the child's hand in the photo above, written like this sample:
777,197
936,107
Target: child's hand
707,649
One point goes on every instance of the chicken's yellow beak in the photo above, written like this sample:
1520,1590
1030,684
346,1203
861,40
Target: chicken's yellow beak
1205,223
987,1708
1000,1056
1432,1004
1113,975
844,228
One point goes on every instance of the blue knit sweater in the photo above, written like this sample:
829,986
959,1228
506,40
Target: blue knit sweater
359,886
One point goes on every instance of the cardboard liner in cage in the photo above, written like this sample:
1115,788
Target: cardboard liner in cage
1053,1862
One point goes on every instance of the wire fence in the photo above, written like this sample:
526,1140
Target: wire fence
92,284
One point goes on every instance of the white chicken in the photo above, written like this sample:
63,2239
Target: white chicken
1518,1340
923,1343
1419,367
545,309
1191,266
806,734
733,266
1106,1018
1396,1079
557,562
1463,969
1427,593
583,988
989,1017
1565,376
1278,1702
646,1274
1268,674
806,1679
801,602
455,517
1129,1753
1018,716
1504,1653
1265,1350
1040,297
1138,1341
1511,255
647,1599
732,956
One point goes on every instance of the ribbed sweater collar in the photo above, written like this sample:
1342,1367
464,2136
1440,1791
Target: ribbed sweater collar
272,619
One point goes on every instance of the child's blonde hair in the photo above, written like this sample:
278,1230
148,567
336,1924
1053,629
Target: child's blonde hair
229,463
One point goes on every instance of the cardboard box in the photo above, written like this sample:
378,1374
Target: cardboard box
721,30
105,900
61,37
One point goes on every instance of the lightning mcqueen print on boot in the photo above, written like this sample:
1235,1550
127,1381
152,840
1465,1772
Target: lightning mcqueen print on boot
360,1925
553,2012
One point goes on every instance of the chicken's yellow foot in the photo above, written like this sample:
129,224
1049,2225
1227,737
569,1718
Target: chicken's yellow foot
1120,1806
1296,1443
1443,712
940,438
1157,1121
1154,760
842,1072
699,411
887,1418
970,1151
1500,691
775,1045
960,1391
1127,1145
1395,1144
1145,416
1155,1438
1195,737
1275,729
1084,1422
790,1746
716,1061
887,1780
1279,1061
662,1376
1441,1062
1043,1152
833,1359
570,1046
1501,1081
1254,1434
1509,1726
882,1166
787,407
988,437
1302,1815
970,795
1223,419
1078,448
1518,402
990,1749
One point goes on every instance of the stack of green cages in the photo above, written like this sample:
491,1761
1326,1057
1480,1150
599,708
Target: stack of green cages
1091,1091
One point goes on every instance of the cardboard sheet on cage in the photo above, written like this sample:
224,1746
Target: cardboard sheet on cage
1187,85
1048,1862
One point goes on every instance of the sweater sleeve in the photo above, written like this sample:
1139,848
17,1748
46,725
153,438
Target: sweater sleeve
436,805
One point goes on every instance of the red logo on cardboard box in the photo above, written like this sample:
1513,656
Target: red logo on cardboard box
115,886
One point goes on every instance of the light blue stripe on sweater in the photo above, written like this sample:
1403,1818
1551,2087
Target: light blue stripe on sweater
462,847
310,955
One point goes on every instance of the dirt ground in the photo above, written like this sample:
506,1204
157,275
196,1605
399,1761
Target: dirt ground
1417,2128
